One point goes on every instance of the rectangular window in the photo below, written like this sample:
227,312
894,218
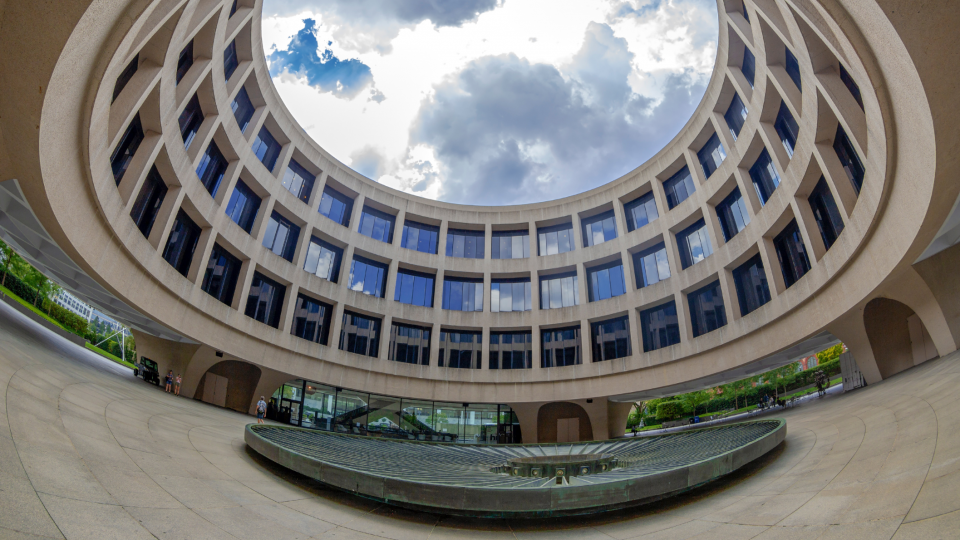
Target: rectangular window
148,202
414,288
367,276
555,239
706,309
598,229
243,206
678,187
736,115
459,349
749,68
409,344
376,224
266,148
787,128
793,68
733,215
420,237
610,339
298,181
660,327
851,85
560,347
465,244
641,211
559,291
360,334
185,61
311,319
650,266
233,8
510,295
751,282
182,243
211,169
265,300
849,159
221,275
323,259
281,236
826,213
230,60
462,294
336,206
764,176
606,281
511,350
694,244
243,109
791,253
126,148
742,4
125,76
190,120
510,245
711,156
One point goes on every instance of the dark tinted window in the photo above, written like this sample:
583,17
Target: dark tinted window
599,228
787,128
555,239
736,115
185,61
126,148
266,148
311,319
243,206
336,206
651,266
510,245
706,309
743,6
220,277
265,300
678,187
233,8
420,237
190,120
793,68
641,211
465,244
243,109
211,169
849,159
511,350
367,276
606,281
791,253
559,291
711,156
660,327
851,85
298,181
764,176
125,76
230,60
376,224
733,215
694,244
281,236
610,339
751,282
510,295
182,243
360,334
409,344
323,259
749,68
414,288
462,294
826,213
147,205
460,349
560,347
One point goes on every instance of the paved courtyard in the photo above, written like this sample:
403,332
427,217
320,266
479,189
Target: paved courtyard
87,451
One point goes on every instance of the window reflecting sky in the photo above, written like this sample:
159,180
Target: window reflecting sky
491,101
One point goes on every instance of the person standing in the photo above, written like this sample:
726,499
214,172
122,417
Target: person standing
168,382
176,385
261,410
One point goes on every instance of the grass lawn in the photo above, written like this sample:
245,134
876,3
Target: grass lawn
9,293
107,355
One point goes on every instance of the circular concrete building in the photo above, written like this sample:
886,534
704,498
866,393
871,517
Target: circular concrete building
149,166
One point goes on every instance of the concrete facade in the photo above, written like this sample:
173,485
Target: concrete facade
59,126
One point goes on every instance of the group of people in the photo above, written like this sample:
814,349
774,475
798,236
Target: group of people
172,383
769,401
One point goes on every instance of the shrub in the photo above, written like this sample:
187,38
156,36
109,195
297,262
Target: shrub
668,410
68,319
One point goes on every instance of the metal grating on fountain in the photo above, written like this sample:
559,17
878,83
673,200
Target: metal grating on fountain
458,479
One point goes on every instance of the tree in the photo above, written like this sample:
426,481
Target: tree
695,399
40,282
830,354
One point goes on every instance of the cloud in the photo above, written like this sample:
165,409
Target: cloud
368,162
325,72
506,130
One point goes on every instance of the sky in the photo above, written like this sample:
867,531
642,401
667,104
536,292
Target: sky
491,102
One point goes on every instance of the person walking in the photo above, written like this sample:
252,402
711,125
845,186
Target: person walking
176,385
261,410
168,381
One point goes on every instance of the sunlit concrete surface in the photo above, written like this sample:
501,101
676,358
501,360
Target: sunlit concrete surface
87,451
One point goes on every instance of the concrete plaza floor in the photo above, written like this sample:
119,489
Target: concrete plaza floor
87,451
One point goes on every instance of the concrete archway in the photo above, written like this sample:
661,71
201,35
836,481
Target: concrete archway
552,418
230,384
898,338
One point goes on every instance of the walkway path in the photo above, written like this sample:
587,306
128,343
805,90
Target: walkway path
87,451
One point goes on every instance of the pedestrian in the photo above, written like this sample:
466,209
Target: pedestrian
176,385
169,381
261,410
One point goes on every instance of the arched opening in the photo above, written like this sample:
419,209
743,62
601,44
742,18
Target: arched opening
563,422
229,384
897,336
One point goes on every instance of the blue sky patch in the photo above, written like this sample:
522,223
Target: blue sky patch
323,71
